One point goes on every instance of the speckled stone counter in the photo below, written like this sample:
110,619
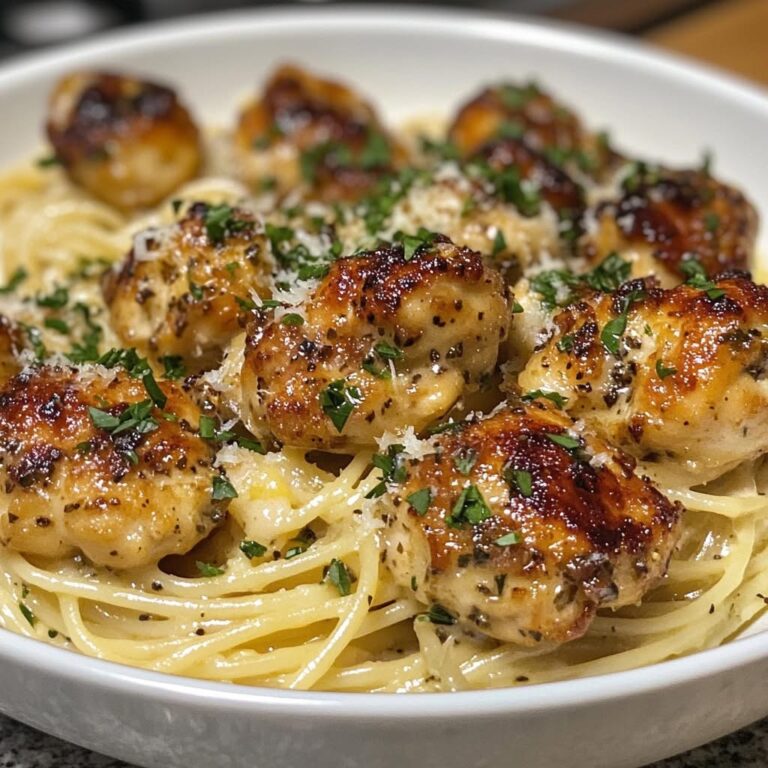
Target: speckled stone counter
23,747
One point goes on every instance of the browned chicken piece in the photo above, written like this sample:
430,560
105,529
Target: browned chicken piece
387,339
518,170
128,142
664,217
521,526
526,112
676,377
90,465
12,344
320,132
186,289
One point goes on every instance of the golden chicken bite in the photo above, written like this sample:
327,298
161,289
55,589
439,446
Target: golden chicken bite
665,217
128,142
521,526
675,377
186,289
526,112
89,465
386,339
306,129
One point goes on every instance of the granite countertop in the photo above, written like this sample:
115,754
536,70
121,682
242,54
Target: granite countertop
23,747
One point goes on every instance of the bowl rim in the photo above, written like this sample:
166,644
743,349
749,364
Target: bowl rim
123,679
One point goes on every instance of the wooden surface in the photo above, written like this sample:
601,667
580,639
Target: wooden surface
731,34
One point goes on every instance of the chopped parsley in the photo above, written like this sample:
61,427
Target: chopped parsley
499,243
87,350
222,489
697,278
564,441
437,614
386,352
510,187
711,222
376,151
56,300
16,279
517,307
464,460
414,244
517,96
442,150
174,367
49,161
614,329
554,397
508,539
252,549
555,287
469,508
338,575
135,418
292,319
338,400
392,469
196,291
206,569
420,500
57,324
221,221
609,274
27,614
663,371
520,479
35,339
565,344
302,541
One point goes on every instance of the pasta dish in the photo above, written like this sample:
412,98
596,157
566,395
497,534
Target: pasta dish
313,403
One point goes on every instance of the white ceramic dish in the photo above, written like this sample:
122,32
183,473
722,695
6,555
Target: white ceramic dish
411,62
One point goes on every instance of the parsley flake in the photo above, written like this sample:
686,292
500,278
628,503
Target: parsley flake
338,575
338,400
470,507
420,501
554,397
663,371
222,489
252,549
206,569
508,539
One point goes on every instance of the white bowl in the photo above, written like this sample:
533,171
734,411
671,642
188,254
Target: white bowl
411,62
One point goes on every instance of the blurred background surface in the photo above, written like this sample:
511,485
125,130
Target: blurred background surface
728,33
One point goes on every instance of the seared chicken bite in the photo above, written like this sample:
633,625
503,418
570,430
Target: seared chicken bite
665,217
304,128
527,112
675,377
129,142
186,289
90,465
387,339
521,526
